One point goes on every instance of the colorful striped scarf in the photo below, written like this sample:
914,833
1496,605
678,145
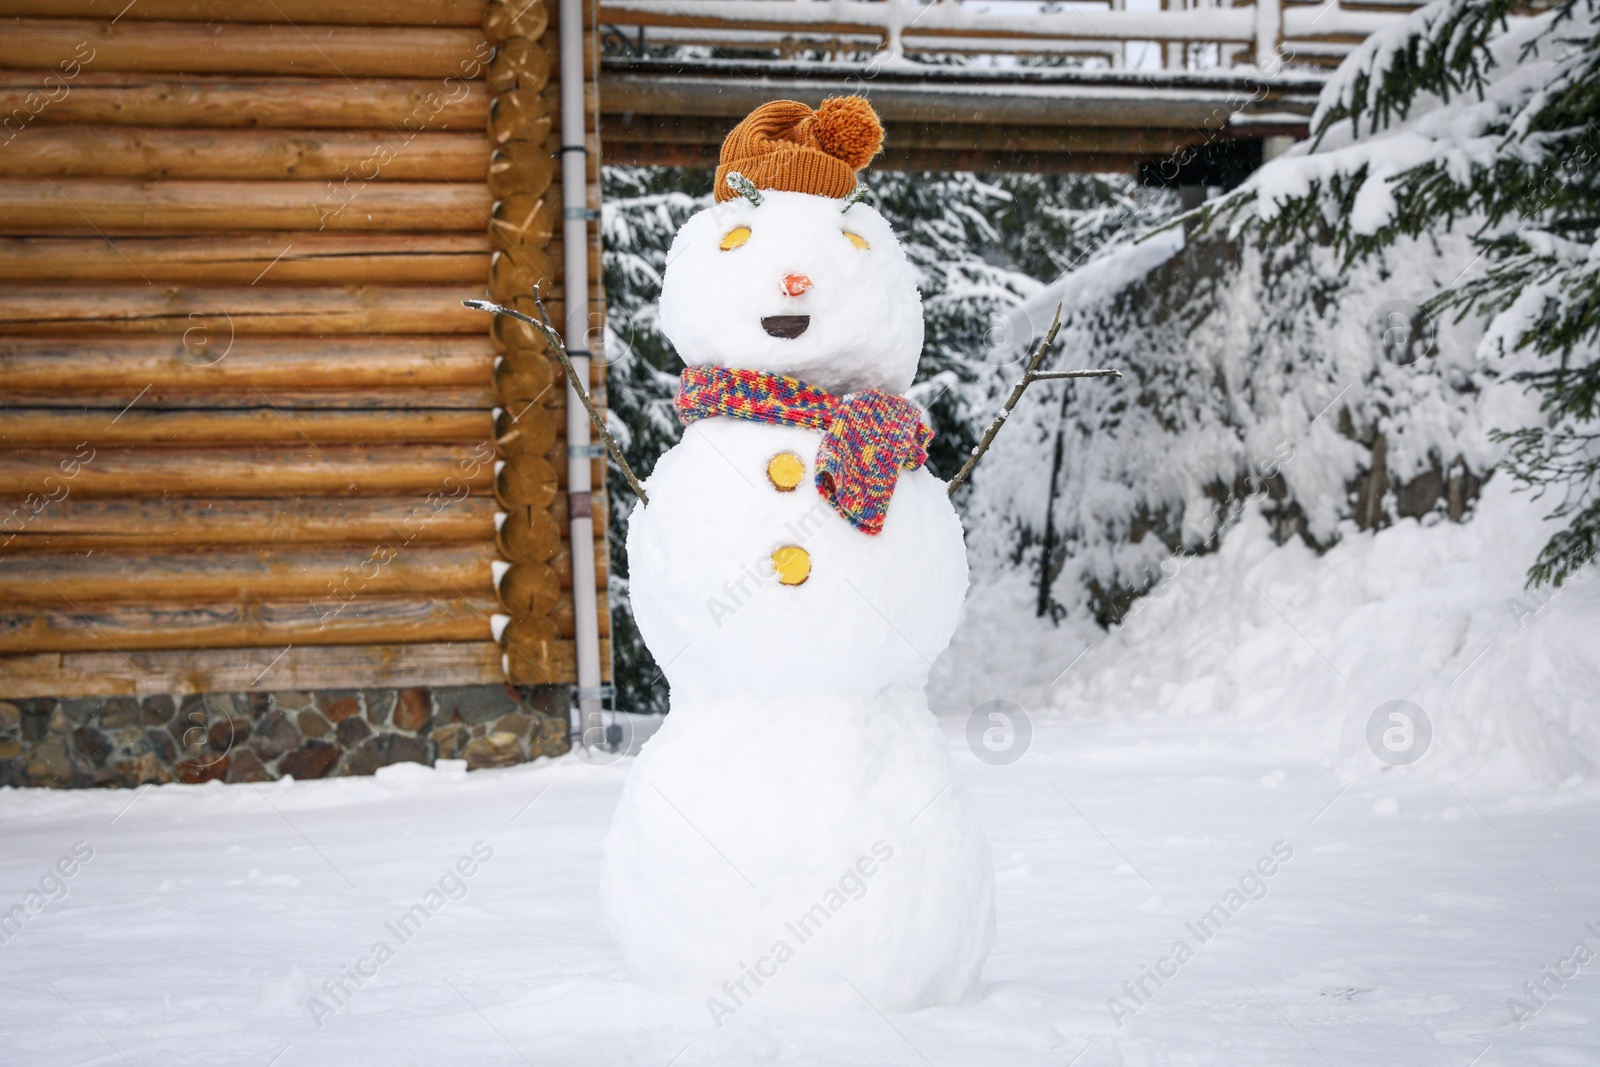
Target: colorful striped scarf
868,437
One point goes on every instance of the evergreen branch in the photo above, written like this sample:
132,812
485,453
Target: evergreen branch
559,346
1441,49
1569,549
1029,376
744,187
1195,215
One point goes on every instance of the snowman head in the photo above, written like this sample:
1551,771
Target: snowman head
802,283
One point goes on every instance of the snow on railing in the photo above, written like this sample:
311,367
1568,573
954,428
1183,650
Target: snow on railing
893,27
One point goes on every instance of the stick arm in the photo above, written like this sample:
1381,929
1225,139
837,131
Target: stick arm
553,338
1030,375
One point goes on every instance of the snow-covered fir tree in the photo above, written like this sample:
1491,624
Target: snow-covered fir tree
1454,170
1469,115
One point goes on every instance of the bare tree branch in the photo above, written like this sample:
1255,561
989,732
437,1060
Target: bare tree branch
1029,376
553,338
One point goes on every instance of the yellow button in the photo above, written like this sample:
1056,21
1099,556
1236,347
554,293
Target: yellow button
793,564
784,471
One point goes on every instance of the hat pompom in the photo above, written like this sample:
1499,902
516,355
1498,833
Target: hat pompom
847,128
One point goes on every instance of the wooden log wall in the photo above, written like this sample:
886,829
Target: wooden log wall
249,437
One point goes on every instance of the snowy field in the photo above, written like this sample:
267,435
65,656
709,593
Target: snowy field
1208,759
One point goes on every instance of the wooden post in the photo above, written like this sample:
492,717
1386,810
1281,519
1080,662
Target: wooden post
1269,36
1173,51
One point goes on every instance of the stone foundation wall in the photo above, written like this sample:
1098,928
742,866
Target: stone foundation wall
257,737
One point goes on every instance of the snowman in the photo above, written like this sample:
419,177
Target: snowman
794,834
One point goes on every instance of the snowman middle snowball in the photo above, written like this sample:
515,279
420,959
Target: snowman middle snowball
794,834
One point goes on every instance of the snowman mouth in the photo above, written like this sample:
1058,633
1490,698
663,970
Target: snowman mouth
786,325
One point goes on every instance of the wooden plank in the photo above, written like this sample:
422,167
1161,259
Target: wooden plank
43,428
936,159
123,366
239,155
249,259
231,48
74,524
229,624
335,470
336,575
131,628
948,134
666,154
440,398
310,12
243,669
558,667
222,314
111,206
1087,102
142,99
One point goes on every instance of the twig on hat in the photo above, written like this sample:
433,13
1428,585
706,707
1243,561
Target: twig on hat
744,187
559,346
1029,376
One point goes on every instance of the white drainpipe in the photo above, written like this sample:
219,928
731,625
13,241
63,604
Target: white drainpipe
575,248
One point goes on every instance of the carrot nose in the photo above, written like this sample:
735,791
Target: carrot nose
796,284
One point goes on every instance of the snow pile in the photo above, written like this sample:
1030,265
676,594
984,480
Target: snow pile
1299,651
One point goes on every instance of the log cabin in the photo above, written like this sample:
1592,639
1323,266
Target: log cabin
272,501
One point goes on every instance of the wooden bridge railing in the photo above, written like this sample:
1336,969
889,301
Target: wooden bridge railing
1190,34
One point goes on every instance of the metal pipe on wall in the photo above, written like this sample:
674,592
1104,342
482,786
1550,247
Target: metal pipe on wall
575,256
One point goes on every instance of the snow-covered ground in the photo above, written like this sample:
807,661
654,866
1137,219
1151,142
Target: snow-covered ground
1208,759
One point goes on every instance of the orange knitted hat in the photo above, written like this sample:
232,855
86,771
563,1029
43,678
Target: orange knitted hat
785,145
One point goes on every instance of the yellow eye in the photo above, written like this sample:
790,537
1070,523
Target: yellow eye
735,237
857,240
